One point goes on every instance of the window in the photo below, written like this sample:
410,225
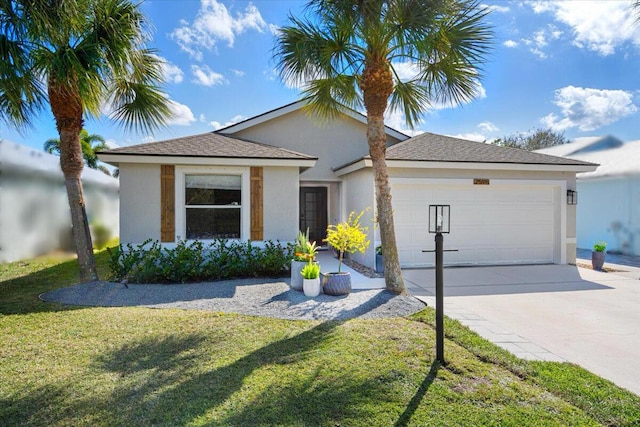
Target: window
213,206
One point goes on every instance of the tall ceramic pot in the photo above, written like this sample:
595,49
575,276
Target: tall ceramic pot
296,274
311,287
379,263
597,260
336,283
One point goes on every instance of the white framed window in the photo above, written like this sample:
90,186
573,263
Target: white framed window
212,203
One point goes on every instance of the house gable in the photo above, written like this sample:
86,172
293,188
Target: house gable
334,144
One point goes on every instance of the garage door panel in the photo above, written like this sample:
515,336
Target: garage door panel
490,225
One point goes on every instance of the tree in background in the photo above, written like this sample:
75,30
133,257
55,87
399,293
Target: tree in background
90,143
351,54
540,138
77,56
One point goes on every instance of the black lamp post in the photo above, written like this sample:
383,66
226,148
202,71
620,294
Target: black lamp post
439,222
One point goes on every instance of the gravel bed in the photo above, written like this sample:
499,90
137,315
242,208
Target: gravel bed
258,297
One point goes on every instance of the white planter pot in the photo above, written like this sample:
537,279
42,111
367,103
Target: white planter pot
296,276
311,287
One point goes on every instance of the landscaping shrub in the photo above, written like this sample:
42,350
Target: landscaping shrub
149,262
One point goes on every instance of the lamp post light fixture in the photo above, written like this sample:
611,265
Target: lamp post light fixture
439,222
439,218
572,197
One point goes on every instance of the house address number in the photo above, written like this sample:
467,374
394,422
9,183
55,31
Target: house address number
480,181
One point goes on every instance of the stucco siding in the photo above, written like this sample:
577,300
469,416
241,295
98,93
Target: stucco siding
281,190
609,209
139,202
335,144
360,195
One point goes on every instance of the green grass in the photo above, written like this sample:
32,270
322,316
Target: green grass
138,366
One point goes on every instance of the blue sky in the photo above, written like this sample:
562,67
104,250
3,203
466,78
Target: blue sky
573,66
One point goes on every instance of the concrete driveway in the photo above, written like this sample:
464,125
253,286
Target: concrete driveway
548,312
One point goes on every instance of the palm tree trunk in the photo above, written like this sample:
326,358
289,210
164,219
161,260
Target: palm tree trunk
66,106
81,233
377,85
377,147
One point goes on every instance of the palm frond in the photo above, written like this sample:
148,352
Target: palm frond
452,55
329,97
411,98
52,146
139,107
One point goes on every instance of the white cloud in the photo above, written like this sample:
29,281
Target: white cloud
171,72
540,40
111,143
202,118
215,23
237,73
182,114
232,121
496,8
510,43
395,120
589,109
205,76
599,26
471,136
406,70
274,29
488,127
147,139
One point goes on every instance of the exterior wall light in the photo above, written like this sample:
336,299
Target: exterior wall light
572,197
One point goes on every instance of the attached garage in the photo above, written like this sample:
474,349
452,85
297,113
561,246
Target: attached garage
508,205
492,223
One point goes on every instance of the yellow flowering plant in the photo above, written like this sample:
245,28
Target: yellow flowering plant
349,236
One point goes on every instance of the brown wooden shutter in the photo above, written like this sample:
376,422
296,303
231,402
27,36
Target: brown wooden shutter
167,203
256,204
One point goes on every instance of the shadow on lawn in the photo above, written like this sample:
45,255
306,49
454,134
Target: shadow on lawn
20,295
181,379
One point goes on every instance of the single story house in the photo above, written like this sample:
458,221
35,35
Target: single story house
273,174
609,197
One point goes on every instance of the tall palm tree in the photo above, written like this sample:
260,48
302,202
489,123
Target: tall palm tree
90,143
77,56
350,54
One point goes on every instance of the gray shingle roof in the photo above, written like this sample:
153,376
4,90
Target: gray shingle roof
429,147
210,144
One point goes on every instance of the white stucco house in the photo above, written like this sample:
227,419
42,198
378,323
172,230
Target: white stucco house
609,197
273,174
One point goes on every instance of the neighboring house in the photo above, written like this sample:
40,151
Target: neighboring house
34,209
609,198
273,174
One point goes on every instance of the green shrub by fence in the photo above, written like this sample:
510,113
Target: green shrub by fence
196,261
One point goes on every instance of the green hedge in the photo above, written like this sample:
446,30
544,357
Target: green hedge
197,261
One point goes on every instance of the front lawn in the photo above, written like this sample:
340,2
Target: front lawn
138,366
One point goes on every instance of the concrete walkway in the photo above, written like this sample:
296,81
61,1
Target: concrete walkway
548,312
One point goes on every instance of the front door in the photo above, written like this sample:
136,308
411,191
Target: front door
313,212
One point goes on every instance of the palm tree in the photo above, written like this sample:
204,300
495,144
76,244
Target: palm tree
78,56
349,54
90,143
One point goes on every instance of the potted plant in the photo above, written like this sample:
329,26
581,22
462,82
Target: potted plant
303,252
598,254
311,279
379,259
347,237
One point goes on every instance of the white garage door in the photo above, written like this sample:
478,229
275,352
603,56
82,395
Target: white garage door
490,224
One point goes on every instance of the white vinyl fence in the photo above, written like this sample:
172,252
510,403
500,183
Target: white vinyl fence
34,211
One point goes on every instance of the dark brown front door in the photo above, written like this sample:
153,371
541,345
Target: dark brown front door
313,212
